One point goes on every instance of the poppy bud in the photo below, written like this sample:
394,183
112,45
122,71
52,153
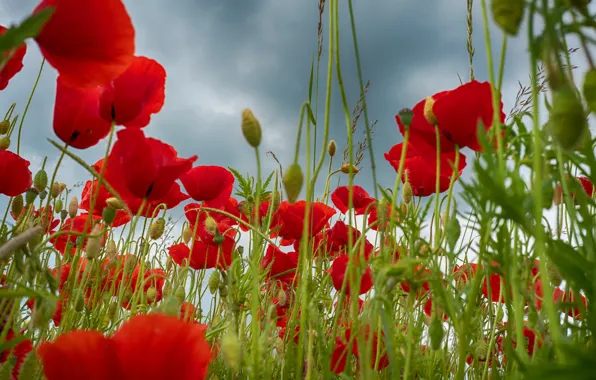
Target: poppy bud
73,207
43,194
40,181
251,128
293,180
180,294
508,14
407,193
231,350
214,281
347,168
187,235
157,228
331,148
279,346
111,249
93,246
55,189
115,203
58,206
78,300
590,90
554,274
30,195
481,350
169,264
211,225
4,127
4,143
171,306
567,124
429,115
130,263
406,115
282,298
151,294
63,215
223,290
17,205
43,310
108,214
435,332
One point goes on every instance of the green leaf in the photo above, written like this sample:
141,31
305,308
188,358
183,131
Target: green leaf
453,232
29,28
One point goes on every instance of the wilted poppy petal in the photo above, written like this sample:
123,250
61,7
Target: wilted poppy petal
89,42
15,176
134,96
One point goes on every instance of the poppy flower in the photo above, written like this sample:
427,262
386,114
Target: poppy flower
19,351
203,255
420,168
15,174
288,220
153,278
66,243
339,356
338,271
372,341
456,113
89,191
585,183
134,96
144,167
280,266
89,42
213,184
14,64
157,339
338,240
360,199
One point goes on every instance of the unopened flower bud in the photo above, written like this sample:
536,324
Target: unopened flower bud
151,294
55,189
180,294
73,207
589,90
508,14
251,128
279,346
58,206
4,127
43,310
4,143
93,246
436,333
407,193
348,168
218,239
111,249
108,214
211,225
115,203
292,181
331,148
30,195
63,215
17,205
429,115
187,235
406,115
157,228
481,350
214,281
567,124
554,274
78,300
40,181
282,298
231,350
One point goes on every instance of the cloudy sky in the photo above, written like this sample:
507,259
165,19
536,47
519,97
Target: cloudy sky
224,56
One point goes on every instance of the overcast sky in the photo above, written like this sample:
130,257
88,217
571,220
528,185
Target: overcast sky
227,55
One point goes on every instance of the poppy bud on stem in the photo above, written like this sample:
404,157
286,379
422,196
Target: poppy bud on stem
293,180
157,228
115,203
567,124
4,143
251,128
348,168
73,207
93,246
4,127
331,148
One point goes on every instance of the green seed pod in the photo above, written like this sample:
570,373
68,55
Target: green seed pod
4,127
567,124
406,115
17,205
435,332
218,239
108,214
214,281
251,128
508,14
157,228
40,181
589,90
292,181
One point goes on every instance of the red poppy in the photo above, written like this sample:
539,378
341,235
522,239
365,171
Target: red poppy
280,266
339,356
19,351
420,168
288,220
144,167
560,296
134,96
172,199
338,240
419,281
187,312
360,199
154,278
372,342
428,309
338,272
66,243
213,184
203,255
15,174
457,113
89,191
14,64
89,42
585,183
157,339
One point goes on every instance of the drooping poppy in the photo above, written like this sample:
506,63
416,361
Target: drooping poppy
89,42
420,168
156,338
213,184
14,64
144,167
14,174
360,199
